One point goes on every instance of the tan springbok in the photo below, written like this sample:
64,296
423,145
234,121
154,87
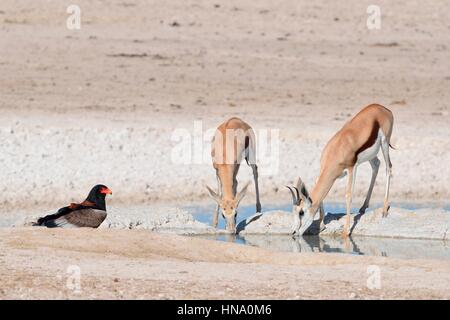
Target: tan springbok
358,141
233,140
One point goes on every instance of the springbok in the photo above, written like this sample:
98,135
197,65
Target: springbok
233,140
358,141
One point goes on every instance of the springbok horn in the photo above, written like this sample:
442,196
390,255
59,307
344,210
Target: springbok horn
298,195
294,199
213,195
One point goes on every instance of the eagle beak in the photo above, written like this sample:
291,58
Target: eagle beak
106,191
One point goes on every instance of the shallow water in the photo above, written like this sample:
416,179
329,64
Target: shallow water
391,247
387,247
205,213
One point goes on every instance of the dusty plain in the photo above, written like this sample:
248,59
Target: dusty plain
101,105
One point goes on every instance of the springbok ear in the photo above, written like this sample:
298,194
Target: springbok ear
304,194
213,195
242,193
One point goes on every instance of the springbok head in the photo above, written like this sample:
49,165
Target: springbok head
301,203
229,206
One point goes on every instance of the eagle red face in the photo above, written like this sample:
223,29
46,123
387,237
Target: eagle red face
105,190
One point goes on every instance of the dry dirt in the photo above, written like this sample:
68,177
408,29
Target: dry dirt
132,264
101,104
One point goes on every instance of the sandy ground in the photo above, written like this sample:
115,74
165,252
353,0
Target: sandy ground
39,263
101,104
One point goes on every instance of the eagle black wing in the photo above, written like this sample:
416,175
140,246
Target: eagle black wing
74,216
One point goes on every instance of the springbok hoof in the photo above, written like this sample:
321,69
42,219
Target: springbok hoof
386,212
321,227
345,233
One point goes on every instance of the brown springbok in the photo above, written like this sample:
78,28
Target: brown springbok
233,140
358,141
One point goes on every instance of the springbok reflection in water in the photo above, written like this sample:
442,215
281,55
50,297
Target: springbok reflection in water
385,247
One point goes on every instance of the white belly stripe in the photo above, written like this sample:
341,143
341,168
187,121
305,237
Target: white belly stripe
371,152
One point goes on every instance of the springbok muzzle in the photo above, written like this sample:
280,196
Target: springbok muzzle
231,224
306,223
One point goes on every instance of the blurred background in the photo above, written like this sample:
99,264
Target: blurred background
99,104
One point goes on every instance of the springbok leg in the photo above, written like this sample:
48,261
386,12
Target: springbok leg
255,177
375,164
322,215
348,198
387,160
216,211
